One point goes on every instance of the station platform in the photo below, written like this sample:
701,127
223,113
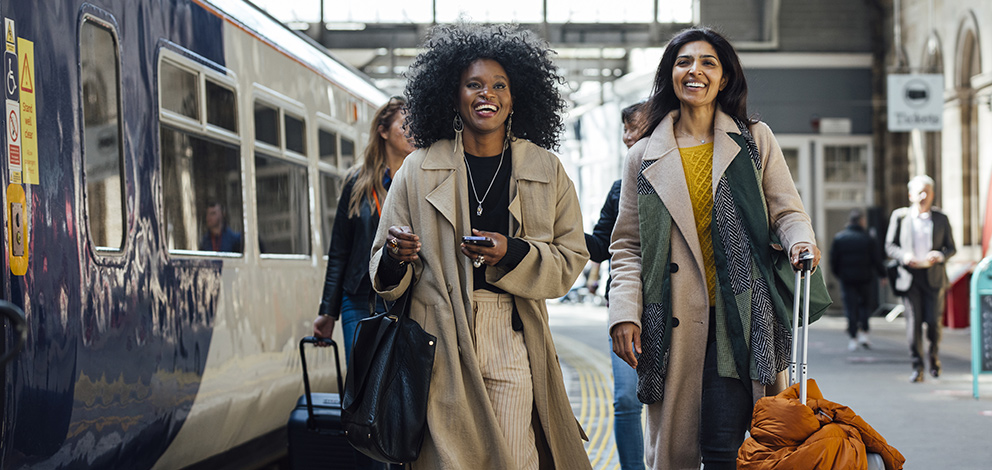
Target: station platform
936,424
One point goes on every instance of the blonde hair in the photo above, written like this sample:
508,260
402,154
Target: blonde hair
368,183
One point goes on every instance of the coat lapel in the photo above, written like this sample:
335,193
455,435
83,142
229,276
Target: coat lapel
667,177
445,156
536,170
724,146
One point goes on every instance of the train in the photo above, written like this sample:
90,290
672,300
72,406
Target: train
133,130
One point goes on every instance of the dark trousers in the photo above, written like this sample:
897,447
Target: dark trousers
857,298
725,414
924,305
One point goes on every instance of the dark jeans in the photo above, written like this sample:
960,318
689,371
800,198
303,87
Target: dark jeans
924,305
725,415
857,305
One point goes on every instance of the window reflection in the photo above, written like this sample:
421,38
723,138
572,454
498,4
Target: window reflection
282,205
102,154
201,187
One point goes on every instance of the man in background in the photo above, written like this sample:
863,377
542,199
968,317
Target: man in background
919,239
855,260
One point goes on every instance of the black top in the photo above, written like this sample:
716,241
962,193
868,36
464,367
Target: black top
495,205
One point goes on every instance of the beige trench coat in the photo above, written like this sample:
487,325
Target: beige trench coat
672,434
430,195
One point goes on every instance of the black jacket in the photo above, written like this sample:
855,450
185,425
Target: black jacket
943,241
598,242
855,255
349,252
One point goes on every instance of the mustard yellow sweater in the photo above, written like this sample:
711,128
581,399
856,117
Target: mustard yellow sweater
697,162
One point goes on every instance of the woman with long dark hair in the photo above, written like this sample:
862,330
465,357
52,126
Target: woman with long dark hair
485,112
691,301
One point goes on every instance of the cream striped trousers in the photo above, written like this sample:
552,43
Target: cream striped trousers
506,371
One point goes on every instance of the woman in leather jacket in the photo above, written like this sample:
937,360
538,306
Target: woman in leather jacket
347,287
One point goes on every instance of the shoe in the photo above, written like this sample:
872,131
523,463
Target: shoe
852,345
863,340
916,376
935,371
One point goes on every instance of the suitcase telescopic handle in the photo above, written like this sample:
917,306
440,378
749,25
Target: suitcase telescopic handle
800,306
306,377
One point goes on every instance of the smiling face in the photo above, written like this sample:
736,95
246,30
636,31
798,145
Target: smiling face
697,76
484,100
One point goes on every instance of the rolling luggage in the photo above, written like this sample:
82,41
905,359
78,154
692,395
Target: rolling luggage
786,436
316,436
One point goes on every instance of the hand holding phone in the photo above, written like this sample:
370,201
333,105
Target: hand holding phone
478,241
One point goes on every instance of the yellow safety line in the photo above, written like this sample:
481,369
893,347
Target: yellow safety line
599,436
594,385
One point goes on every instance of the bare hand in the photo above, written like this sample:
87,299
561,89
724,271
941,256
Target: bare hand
402,244
935,257
626,340
798,248
323,327
490,254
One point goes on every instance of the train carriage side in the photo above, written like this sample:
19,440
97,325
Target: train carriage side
151,344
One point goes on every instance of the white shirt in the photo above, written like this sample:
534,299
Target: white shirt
922,226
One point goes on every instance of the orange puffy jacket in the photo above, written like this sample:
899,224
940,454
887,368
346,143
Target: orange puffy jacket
821,435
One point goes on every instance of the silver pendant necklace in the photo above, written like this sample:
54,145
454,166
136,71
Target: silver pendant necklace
478,210
701,141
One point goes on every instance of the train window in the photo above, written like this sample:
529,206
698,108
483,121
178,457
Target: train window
222,108
179,91
330,191
347,152
201,186
282,202
266,124
295,135
328,141
102,155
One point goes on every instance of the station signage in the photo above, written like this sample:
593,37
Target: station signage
915,101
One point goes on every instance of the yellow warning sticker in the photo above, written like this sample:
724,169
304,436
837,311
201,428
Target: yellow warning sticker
9,34
17,229
29,125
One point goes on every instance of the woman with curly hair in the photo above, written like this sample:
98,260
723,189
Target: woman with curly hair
484,111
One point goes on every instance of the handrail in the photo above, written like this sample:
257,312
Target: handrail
16,317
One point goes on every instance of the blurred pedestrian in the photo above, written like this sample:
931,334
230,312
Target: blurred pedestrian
347,286
692,262
485,111
919,238
855,260
627,432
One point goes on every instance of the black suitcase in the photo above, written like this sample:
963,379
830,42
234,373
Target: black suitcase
316,437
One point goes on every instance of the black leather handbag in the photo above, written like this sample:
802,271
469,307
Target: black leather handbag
385,393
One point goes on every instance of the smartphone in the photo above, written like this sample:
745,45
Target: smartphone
478,241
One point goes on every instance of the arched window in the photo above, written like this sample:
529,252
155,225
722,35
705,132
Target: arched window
969,66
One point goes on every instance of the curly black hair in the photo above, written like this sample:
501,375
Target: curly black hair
434,77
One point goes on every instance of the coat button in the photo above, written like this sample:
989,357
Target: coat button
674,268
448,286
675,322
